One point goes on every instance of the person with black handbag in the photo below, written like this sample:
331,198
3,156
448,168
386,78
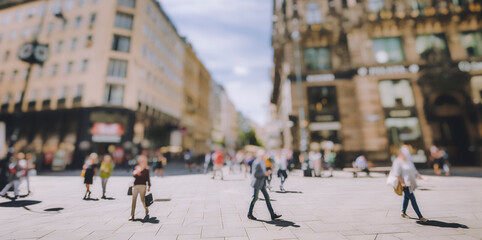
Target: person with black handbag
141,178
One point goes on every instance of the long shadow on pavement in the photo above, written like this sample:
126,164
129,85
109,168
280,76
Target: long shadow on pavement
288,192
152,220
436,223
280,223
20,203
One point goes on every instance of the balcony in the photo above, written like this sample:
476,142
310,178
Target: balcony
46,104
31,105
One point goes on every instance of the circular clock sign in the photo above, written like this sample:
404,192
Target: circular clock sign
33,52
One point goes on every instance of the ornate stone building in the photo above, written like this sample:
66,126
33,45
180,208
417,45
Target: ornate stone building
379,73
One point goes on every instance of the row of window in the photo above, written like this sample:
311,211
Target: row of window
39,10
54,69
48,94
390,50
28,31
314,16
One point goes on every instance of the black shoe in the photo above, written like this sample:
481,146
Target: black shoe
252,217
273,217
103,197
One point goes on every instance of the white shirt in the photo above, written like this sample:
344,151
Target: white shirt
406,169
361,162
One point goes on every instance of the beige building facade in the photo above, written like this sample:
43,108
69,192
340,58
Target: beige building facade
378,74
113,79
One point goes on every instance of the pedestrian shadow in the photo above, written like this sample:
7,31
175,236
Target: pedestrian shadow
162,200
58,209
436,223
288,192
91,199
271,200
152,220
109,198
20,203
280,223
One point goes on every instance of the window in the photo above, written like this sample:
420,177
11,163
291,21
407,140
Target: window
26,32
7,98
39,71
48,93
6,19
127,3
375,5
54,70
68,67
68,4
14,75
117,68
123,20
64,24
476,88
78,21
60,44
73,44
50,27
81,3
32,96
144,50
25,74
313,14
396,93
13,35
317,59
121,43
427,42
79,91
18,16
472,42
113,94
56,7
93,17
63,92
388,50
6,55
322,104
85,65
1,76
145,29
89,41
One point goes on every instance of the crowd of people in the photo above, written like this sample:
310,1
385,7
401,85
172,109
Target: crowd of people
259,164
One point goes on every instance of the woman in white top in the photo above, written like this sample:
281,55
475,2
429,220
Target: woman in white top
406,173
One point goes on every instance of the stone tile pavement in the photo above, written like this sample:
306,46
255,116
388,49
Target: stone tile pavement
194,206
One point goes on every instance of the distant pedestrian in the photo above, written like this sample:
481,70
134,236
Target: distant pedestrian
141,178
16,173
218,158
30,161
188,159
207,161
405,172
106,169
282,169
315,162
362,164
89,170
269,163
158,163
330,157
258,182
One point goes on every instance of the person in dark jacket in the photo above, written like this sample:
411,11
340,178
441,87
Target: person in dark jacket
141,176
258,182
89,170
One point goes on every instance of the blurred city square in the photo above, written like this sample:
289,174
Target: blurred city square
193,206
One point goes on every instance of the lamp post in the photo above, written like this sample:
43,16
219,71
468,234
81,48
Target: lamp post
299,78
32,53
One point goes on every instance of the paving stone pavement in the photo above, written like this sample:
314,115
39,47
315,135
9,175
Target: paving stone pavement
196,207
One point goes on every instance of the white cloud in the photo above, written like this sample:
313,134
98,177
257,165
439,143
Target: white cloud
232,38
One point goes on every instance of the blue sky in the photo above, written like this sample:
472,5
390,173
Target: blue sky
232,39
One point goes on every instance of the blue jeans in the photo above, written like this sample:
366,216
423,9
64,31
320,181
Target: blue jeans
266,198
407,196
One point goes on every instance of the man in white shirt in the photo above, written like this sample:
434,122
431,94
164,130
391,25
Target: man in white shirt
361,163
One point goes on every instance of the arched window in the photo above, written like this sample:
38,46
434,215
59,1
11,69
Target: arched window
313,14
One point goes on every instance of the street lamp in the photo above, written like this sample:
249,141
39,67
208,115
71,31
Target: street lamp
299,78
32,53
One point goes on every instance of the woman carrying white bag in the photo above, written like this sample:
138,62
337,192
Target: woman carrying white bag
403,178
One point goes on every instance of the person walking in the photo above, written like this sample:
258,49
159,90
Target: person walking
158,163
330,157
282,169
106,169
269,163
16,174
258,182
361,163
89,170
207,161
218,158
141,179
404,171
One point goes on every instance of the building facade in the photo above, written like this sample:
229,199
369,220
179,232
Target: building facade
196,120
377,74
113,81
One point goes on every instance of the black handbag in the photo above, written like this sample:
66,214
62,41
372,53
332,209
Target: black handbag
129,191
149,199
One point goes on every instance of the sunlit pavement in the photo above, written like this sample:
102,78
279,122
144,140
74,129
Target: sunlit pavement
196,207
